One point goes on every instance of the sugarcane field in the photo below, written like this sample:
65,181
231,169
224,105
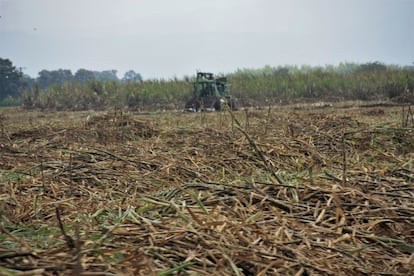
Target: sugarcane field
206,138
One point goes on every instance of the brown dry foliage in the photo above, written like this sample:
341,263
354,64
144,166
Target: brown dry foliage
299,192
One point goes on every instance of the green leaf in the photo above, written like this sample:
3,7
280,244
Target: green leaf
176,269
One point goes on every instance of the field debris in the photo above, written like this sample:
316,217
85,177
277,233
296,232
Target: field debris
264,192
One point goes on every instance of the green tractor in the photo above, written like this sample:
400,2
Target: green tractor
210,94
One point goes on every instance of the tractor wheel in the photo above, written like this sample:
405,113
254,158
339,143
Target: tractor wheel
217,105
234,104
197,106
193,105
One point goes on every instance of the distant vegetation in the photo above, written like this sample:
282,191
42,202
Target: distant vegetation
61,90
372,81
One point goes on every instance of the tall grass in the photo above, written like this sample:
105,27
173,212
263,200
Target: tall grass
318,84
252,87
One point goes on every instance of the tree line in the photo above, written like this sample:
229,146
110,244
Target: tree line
14,83
47,78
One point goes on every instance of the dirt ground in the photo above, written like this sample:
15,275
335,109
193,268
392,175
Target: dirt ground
288,190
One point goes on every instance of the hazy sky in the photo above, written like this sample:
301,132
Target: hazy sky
166,38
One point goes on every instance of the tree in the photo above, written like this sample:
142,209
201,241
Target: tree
131,76
83,75
44,78
27,82
281,71
372,67
106,75
60,76
10,79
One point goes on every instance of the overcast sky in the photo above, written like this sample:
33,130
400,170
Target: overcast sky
167,38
